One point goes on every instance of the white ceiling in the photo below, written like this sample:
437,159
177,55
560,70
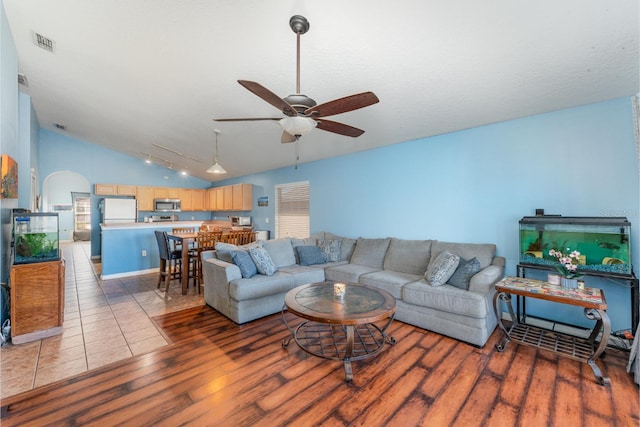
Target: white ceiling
129,74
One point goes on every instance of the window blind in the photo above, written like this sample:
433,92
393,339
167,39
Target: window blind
292,210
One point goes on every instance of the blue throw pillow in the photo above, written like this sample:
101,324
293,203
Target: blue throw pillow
263,261
310,255
463,274
244,262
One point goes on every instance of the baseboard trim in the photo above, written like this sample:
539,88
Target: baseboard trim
129,274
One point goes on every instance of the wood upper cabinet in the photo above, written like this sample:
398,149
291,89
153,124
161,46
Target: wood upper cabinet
242,197
173,193
145,196
114,190
211,201
160,193
185,196
228,198
198,199
126,190
105,190
220,198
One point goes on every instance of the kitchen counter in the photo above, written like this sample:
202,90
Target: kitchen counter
154,225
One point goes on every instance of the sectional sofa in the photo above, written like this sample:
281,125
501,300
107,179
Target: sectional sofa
443,287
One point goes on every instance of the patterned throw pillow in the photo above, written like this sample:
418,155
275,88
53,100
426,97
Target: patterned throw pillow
244,262
441,269
330,249
310,255
263,261
463,274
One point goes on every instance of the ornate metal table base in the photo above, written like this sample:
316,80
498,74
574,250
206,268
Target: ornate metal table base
339,342
576,348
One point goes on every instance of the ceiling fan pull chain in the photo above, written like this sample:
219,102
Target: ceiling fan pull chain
297,153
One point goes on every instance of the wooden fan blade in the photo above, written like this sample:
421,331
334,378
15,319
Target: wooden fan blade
248,119
339,128
287,137
268,96
342,105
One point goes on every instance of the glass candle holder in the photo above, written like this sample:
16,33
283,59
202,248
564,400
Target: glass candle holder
338,290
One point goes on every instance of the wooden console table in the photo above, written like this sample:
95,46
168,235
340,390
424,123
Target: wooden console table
576,348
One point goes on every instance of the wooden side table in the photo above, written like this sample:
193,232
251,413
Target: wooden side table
573,347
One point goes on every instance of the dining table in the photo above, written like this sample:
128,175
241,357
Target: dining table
185,239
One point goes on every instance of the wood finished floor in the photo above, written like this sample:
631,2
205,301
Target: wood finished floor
215,373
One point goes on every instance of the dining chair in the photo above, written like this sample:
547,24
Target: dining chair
205,241
170,260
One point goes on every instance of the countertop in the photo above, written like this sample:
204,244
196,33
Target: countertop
161,224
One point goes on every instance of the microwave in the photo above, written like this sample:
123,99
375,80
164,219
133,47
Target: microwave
166,205
240,221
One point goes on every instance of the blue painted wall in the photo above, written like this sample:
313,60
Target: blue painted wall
9,133
60,152
475,185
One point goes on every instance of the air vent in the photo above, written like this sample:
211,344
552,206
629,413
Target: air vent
22,79
59,126
43,42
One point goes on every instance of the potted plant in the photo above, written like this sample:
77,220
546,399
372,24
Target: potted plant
568,267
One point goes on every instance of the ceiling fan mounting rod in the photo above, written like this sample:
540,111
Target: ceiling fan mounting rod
299,25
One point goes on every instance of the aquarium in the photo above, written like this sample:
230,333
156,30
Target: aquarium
35,238
603,242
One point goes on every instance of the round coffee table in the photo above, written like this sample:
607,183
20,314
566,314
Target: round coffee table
340,320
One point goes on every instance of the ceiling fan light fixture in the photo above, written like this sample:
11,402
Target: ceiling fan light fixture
216,168
297,125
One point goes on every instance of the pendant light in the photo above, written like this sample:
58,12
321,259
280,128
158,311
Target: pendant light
216,168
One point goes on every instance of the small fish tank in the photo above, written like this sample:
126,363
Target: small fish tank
603,242
35,238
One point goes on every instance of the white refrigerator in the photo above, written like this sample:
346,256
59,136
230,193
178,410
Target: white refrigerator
119,211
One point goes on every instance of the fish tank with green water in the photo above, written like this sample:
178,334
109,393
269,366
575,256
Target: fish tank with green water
603,242
35,238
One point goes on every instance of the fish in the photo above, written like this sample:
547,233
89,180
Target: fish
608,245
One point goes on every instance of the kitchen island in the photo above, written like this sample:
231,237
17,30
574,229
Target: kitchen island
131,249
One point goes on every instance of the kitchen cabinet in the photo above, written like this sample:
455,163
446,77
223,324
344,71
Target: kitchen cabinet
242,197
198,199
114,190
220,198
160,193
126,190
227,197
211,202
186,197
173,193
105,190
37,300
145,196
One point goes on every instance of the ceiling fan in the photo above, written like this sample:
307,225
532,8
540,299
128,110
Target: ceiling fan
302,113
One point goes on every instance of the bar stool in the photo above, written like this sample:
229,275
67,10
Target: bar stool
170,260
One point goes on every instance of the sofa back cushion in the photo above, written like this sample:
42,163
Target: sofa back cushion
280,251
408,256
483,251
370,252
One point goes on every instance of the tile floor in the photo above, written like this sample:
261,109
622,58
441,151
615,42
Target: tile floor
104,321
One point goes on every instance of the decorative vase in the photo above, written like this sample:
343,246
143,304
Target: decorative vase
568,283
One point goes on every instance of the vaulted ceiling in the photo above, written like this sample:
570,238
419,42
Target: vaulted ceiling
146,78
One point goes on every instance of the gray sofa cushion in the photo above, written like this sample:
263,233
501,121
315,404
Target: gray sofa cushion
304,274
408,256
445,298
390,281
259,286
347,272
370,252
484,252
280,251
